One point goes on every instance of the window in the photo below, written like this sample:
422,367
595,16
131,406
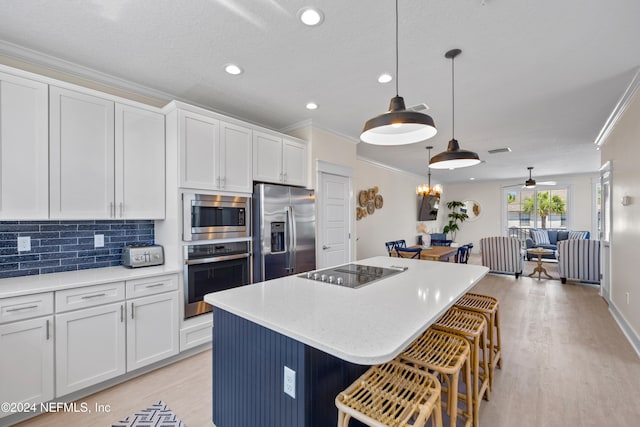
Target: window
536,208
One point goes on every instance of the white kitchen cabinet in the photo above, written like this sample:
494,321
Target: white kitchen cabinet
152,329
26,361
279,160
214,155
106,158
90,346
82,155
24,149
26,349
139,163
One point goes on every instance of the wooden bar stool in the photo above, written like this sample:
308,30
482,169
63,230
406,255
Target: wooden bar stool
473,327
391,394
444,353
488,306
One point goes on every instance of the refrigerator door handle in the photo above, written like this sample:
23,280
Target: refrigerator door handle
290,245
294,240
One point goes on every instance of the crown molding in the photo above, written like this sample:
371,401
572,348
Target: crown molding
46,62
619,109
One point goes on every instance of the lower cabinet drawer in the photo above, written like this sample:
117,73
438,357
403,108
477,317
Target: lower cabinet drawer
89,296
151,285
26,307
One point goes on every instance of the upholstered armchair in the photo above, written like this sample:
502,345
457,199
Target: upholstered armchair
579,259
502,254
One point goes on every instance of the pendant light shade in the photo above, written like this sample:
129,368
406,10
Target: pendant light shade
398,126
454,157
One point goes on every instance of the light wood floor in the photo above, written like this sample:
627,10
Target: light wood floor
566,364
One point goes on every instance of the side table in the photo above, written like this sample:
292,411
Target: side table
539,268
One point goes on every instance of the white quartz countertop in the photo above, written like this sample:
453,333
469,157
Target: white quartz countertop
366,326
25,285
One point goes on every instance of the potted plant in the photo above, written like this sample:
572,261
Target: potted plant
456,217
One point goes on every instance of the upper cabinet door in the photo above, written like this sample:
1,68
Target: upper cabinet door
139,163
294,159
24,149
235,158
81,155
267,157
198,145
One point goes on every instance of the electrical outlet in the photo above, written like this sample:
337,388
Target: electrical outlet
98,241
24,243
290,382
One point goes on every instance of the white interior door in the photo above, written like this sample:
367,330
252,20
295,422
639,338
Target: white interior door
334,225
605,231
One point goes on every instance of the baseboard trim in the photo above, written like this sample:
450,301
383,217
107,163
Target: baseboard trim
626,329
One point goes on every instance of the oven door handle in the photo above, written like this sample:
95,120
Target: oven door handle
215,259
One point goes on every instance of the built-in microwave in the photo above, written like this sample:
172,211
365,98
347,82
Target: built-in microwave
209,217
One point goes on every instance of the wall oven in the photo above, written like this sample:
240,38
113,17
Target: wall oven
213,267
208,217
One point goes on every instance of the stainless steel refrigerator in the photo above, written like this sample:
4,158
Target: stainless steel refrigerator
284,224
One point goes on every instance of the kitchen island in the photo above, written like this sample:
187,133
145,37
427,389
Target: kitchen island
327,334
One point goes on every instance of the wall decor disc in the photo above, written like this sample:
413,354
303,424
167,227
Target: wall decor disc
379,201
363,197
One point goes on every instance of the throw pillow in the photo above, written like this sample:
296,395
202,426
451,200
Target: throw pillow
540,237
577,235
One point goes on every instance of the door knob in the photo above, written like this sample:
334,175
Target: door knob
325,247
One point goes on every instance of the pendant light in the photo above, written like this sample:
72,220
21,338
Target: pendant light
530,183
398,126
454,157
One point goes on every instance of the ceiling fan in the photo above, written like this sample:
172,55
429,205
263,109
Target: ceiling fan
531,183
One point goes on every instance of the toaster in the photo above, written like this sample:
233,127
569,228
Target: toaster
142,255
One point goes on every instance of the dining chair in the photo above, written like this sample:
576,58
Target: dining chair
413,253
462,256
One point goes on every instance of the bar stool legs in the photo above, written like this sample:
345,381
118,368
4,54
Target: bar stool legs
446,354
391,394
473,327
489,307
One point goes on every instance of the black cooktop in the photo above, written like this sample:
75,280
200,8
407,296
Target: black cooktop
352,275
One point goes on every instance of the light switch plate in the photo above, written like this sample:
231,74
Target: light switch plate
98,241
290,382
24,243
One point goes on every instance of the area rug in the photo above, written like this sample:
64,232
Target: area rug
157,415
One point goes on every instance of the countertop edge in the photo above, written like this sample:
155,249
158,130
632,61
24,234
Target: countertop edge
352,358
28,285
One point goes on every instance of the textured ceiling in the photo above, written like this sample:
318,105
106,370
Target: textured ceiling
539,77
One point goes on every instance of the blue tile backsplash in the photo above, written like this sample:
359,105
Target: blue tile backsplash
67,245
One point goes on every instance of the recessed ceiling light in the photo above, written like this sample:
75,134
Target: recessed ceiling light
312,106
310,16
233,69
384,78
471,179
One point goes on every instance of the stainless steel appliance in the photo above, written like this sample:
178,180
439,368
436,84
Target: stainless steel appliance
144,255
213,267
208,217
284,223
352,275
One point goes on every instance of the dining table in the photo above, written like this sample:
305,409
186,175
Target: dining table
434,253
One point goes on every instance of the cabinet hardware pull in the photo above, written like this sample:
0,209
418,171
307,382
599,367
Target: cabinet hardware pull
155,285
285,177
121,209
132,310
121,313
47,329
325,247
224,181
112,210
22,308
94,296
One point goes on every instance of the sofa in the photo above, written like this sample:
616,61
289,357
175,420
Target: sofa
549,238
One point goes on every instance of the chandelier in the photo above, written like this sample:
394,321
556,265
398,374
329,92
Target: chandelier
426,189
